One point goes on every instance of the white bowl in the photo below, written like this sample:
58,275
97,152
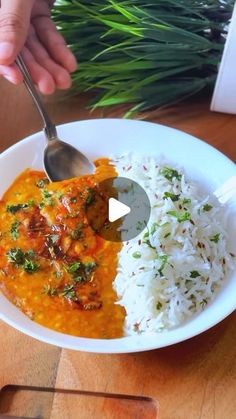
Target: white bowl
97,138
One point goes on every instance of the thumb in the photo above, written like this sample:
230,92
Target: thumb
14,26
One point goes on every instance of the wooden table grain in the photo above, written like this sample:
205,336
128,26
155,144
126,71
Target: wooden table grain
192,380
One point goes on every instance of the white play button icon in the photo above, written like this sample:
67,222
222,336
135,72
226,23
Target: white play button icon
120,209
116,210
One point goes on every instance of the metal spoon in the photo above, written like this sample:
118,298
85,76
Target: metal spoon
61,160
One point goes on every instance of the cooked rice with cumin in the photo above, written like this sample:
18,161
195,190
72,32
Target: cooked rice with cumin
173,269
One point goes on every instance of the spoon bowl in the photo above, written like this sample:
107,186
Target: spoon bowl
61,160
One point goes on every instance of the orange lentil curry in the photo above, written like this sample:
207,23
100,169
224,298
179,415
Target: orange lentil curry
53,265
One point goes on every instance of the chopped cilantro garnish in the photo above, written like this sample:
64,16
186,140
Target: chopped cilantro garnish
170,174
78,279
147,241
215,238
41,183
49,290
58,274
172,196
69,292
181,216
47,198
77,233
14,230
194,274
89,267
73,267
59,195
163,259
16,255
207,207
154,228
30,203
90,196
136,255
13,209
30,254
81,272
30,266
186,201
46,194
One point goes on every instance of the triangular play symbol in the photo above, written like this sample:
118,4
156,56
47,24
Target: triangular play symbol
116,210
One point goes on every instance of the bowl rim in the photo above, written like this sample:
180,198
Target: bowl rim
128,343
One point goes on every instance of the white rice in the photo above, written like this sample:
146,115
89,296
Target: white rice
173,269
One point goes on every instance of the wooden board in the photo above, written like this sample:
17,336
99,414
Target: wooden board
195,379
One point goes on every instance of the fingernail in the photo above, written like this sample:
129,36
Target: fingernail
6,50
10,79
74,64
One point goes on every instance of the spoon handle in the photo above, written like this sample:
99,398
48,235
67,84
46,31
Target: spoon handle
49,127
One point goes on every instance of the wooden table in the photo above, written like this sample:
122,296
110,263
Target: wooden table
192,380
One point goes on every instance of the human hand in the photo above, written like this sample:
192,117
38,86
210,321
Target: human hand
26,27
